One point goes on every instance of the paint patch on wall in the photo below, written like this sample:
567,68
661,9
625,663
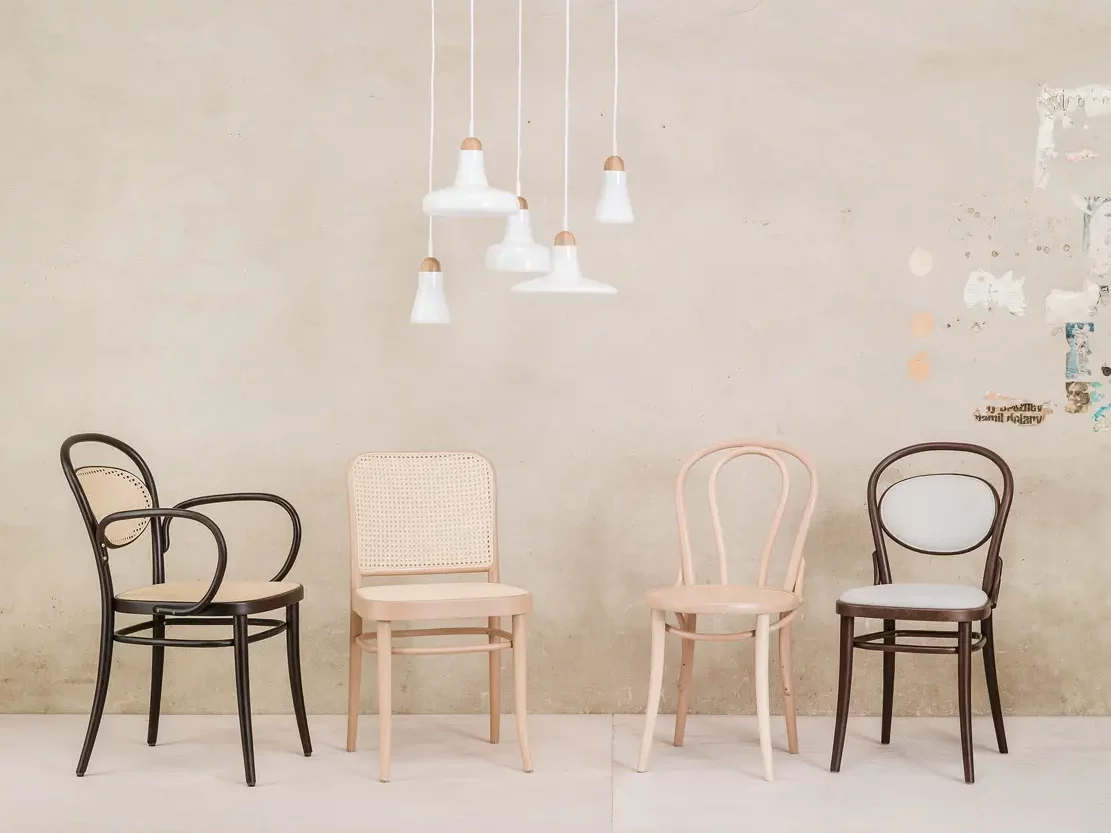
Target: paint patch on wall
1096,238
1005,410
986,290
1078,397
1056,104
1065,305
921,324
1081,155
918,367
921,262
1078,334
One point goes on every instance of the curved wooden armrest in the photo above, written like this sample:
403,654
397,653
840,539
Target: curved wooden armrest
238,497
168,514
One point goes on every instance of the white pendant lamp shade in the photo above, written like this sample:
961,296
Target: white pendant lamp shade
518,252
614,205
565,275
430,305
470,195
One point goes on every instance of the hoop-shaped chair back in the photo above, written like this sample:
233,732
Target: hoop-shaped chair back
422,512
942,513
735,449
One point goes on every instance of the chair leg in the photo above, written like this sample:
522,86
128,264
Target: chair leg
385,685
520,689
354,680
655,687
763,696
293,657
964,695
888,683
844,689
686,674
243,695
993,684
495,685
100,692
787,671
157,664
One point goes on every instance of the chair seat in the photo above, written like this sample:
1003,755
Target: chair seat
929,600
448,600
232,599
722,598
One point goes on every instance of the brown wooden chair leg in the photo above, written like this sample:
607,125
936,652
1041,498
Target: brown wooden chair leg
888,683
964,695
844,688
993,684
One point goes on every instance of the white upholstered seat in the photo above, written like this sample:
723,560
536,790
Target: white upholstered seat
921,596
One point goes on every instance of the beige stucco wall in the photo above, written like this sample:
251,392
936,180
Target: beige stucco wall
209,233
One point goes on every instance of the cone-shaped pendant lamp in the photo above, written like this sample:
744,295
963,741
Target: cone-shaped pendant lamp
614,205
518,252
565,275
430,305
471,195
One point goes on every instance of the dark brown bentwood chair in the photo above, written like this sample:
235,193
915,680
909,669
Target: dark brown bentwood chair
118,506
934,514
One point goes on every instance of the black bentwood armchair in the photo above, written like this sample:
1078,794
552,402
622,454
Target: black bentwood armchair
118,506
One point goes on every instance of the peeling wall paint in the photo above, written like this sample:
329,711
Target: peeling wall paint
1057,104
1065,305
986,290
1081,155
1096,238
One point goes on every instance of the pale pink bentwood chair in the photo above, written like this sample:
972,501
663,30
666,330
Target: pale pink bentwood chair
425,513
687,599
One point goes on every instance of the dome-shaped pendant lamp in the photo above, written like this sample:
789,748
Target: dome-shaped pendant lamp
430,305
614,205
518,252
565,275
471,195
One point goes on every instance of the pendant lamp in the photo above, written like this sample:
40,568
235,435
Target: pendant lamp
614,205
430,305
471,195
565,275
518,252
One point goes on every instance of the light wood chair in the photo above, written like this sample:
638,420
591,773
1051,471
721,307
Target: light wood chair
429,513
687,599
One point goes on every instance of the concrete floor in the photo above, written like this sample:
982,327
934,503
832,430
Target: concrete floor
445,777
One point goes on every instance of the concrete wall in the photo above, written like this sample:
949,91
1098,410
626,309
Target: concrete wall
209,234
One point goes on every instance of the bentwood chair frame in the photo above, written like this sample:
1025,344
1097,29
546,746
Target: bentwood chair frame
687,599
418,513
980,610
117,507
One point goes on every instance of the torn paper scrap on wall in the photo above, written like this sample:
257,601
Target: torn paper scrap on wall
1078,397
1081,155
1096,239
1064,305
1078,334
1009,411
1056,104
986,290
1101,402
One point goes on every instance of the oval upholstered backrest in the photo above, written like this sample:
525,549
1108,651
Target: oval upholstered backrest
422,512
111,490
939,514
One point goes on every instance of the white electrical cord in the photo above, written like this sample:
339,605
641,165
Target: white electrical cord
520,52
615,77
431,117
566,104
472,69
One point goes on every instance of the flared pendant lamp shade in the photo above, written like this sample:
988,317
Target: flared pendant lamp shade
518,252
614,205
430,305
565,275
471,195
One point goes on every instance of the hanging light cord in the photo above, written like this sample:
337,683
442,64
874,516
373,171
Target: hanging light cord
431,117
615,77
520,54
472,69
566,104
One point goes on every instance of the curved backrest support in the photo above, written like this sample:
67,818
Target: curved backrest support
422,512
943,513
770,450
